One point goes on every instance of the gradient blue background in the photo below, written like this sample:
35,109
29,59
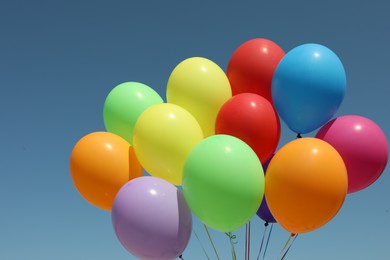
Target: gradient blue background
60,59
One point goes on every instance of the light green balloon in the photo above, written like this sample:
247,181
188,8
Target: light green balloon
124,104
223,182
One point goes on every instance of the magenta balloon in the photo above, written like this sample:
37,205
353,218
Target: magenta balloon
151,218
362,145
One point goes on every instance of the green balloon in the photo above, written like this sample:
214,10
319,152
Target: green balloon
124,104
223,182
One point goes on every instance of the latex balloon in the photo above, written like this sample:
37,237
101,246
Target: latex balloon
308,87
151,219
251,118
124,104
100,164
263,212
163,137
306,184
223,182
200,86
252,66
362,145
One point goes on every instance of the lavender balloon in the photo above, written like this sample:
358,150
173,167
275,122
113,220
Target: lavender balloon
151,218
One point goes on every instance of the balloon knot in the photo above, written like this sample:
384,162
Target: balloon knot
299,135
231,237
266,224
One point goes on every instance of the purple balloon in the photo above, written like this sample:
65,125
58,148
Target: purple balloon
151,218
263,212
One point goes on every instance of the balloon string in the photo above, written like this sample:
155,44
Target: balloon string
246,241
211,240
266,245
285,253
249,239
201,245
262,240
232,243
285,245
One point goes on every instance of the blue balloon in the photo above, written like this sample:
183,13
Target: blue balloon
308,87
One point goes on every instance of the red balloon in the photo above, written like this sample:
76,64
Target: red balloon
252,65
253,119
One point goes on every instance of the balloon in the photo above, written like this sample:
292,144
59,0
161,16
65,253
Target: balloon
123,106
163,137
201,87
308,87
100,164
263,212
223,182
252,66
151,219
306,184
362,145
251,118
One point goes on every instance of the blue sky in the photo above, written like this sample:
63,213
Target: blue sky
60,59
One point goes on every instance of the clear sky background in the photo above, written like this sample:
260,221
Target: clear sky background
60,59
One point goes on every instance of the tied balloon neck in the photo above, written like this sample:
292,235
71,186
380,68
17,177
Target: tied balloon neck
299,135
181,257
266,224
232,237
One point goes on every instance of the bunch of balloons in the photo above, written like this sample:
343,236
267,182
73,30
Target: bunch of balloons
217,136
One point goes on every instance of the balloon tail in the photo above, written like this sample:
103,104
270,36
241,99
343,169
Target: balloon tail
288,245
232,243
181,257
211,241
200,245
299,135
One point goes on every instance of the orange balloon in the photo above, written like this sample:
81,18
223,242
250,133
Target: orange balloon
100,164
306,184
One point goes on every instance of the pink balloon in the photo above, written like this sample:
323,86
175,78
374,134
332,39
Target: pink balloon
362,145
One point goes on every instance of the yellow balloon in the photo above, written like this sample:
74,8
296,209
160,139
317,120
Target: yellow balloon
164,135
201,87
